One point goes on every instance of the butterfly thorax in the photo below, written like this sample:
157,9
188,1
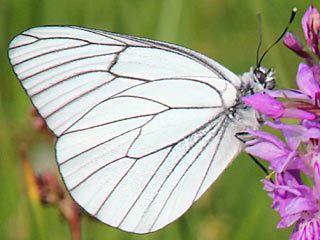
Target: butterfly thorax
257,80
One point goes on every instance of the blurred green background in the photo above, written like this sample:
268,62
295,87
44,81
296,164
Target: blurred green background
236,207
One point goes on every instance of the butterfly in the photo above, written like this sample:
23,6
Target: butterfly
143,127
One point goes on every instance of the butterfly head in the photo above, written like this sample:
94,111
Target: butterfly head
265,76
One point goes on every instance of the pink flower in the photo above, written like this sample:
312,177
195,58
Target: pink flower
296,202
295,45
292,199
311,25
271,149
275,109
307,228
307,82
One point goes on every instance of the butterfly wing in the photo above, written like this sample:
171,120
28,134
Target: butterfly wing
141,124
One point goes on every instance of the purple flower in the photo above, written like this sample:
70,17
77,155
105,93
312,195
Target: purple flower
296,202
293,43
311,25
307,82
271,149
308,227
311,155
265,104
292,199
273,108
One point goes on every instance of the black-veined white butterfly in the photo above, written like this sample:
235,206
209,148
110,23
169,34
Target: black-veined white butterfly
144,127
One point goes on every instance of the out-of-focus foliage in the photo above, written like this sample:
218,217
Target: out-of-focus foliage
236,207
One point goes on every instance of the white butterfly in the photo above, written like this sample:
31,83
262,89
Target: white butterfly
144,127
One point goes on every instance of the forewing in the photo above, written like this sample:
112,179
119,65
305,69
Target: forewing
141,123
68,70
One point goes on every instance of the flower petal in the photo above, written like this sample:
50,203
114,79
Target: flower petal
306,81
293,43
287,94
311,25
293,134
287,221
265,136
298,114
266,151
301,204
265,104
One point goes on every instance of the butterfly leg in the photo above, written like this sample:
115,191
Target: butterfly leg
244,137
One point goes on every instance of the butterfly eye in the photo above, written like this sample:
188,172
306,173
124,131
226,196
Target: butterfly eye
260,74
265,76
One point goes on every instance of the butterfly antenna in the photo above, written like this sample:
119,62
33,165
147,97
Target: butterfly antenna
260,37
293,14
